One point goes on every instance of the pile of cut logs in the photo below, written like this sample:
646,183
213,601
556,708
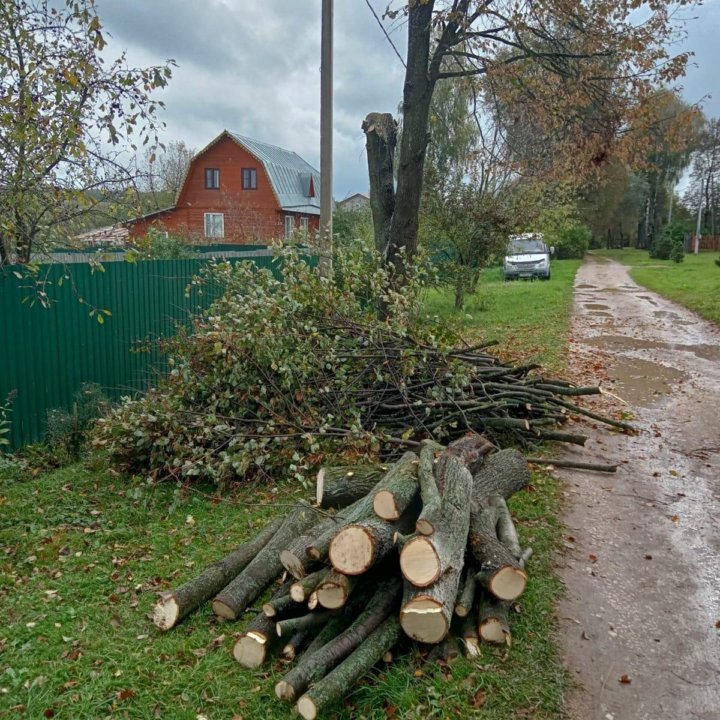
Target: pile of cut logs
386,550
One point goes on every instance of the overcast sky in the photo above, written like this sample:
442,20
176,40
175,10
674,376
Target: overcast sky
253,67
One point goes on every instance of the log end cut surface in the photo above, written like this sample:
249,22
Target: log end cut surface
293,564
222,610
332,596
419,562
384,505
494,631
251,649
423,620
352,550
508,583
166,613
285,691
306,708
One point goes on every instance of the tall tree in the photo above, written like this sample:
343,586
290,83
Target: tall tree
590,48
704,186
163,172
66,114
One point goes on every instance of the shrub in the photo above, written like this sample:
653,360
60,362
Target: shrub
571,241
273,368
67,430
677,254
5,424
672,236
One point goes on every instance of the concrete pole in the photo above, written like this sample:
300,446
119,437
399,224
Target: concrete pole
326,146
699,219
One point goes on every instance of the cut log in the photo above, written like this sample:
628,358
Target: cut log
426,613
276,608
504,526
313,667
254,645
334,590
361,509
428,490
338,487
493,625
358,547
446,651
294,557
313,602
424,559
395,497
503,473
175,605
301,589
337,684
466,595
294,645
264,568
470,637
305,622
500,572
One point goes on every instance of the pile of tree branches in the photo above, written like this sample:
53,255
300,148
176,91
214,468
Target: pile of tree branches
292,370
424,548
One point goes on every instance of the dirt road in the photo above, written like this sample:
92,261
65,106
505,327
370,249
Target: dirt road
639,623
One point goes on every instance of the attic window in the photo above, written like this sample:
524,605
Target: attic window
212,178
249,179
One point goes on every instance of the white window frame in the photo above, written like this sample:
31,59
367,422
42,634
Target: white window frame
214,225
304,226
289,226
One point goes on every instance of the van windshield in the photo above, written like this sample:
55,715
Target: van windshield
524,246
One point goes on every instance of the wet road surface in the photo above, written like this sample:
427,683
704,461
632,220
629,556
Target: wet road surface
641,560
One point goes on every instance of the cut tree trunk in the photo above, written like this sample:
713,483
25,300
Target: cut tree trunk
361,509
305,622
503,473
295,645
254,645
315,666
277,608
470,636
492,622
338,487
231,602
500,571
397,494
175,605
334,590
337,684
301,589
466,595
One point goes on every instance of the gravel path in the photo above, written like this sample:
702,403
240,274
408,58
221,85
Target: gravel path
640,623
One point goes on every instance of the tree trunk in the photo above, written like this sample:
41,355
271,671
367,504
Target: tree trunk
254,645
503,473
266,566
500,571
380,137
314,667
398,492
338,487
337,684
295,645
334,590
305,622
493,624
466,594
175,605
301,589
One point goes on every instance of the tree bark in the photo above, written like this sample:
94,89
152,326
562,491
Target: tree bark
304,587
466,594
175,605
398,492
503,473
266,566
254,645
314,667
380,138
334,590
295,645
338,487
337,684
305,622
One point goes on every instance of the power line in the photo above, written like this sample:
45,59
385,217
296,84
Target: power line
385,33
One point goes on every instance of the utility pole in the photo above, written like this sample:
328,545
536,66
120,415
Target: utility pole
326,138
699,219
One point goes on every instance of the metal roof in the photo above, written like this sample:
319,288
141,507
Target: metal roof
289,175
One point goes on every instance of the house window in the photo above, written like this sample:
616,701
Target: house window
304,227
289,226
214,225
249,179
212,178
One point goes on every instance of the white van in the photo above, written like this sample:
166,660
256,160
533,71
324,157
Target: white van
527,256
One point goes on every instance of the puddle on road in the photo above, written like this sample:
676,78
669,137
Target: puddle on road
674,317
641,382
586,286
623,342
595,306
600,314
649,299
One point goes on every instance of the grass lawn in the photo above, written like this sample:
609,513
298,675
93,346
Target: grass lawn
530,320
694,283
83,552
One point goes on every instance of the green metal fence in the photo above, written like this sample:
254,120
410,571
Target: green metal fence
46,354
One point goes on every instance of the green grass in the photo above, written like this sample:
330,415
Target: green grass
83,552
530,320
694,283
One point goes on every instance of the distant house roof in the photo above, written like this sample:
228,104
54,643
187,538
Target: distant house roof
354,201
111,235
295,182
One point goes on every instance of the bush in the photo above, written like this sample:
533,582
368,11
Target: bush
158,245
5,424
67,431
273,368
663,247
571,241
677,254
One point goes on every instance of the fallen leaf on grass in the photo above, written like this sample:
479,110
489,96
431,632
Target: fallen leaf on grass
478,699
126,694
48,713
